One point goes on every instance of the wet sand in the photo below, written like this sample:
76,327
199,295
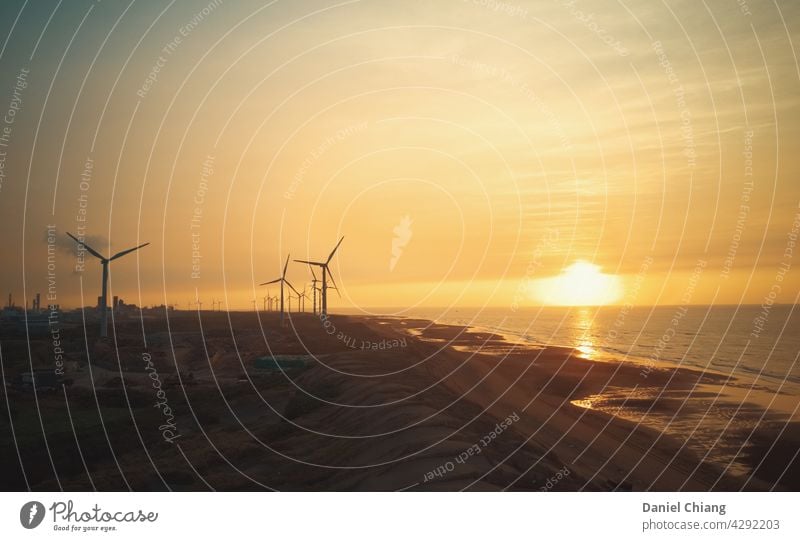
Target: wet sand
384,404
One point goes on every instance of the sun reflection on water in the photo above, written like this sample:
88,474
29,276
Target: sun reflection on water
589,402
584,341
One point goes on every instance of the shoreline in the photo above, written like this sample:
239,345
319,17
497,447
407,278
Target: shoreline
609,354
649,405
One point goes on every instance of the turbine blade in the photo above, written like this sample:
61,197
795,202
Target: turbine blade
290,285
272,282
286,266
87,247
125,252
334,250
313,275
330,275
317,263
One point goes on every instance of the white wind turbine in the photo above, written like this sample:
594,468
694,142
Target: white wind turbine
282,280
325,273
104,261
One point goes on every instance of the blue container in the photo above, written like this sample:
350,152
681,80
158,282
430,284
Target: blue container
277,363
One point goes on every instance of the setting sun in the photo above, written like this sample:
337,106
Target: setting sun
580,284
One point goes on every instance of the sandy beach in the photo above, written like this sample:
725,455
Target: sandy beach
382,404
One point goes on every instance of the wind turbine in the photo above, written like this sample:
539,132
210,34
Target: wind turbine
325,272
282,280
314,287
104,261
301,301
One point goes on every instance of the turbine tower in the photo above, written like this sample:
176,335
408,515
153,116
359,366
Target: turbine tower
325,273
314,287
104,261
282,280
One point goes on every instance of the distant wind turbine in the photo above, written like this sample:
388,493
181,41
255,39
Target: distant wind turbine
325,273
301,301
282,280
314,287
104,261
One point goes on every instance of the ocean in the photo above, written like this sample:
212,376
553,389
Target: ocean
743,341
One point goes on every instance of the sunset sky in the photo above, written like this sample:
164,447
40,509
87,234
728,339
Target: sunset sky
495,143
